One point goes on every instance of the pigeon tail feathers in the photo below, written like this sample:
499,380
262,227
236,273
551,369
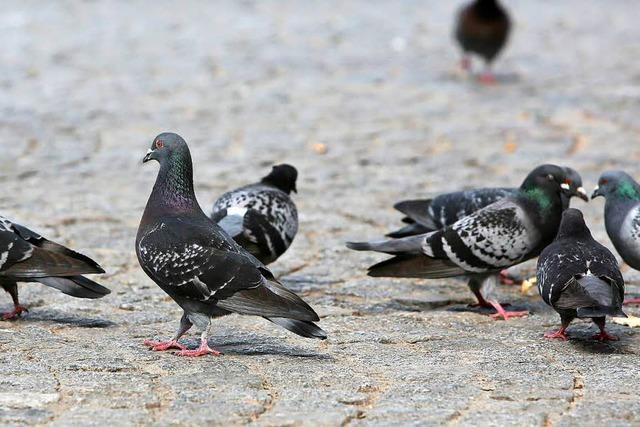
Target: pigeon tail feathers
415,266
417,210
76,286
299,327
411,244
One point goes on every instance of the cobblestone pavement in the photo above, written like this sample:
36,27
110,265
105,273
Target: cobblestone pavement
364,98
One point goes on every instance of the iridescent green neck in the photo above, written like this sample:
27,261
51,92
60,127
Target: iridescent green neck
627,190
173,190
539,196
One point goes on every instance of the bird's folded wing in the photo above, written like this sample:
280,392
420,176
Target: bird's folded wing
13,249
20,259
499,235
43,243
228,279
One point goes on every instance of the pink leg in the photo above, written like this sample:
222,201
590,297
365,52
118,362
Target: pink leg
17,310
506,279
487,78
559,334
605,336
502,313
634,300
164,345
203,350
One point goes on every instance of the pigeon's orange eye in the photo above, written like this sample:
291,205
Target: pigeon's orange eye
603,181
159,143
568,181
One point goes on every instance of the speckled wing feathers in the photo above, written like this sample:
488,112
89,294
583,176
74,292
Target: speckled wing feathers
498,236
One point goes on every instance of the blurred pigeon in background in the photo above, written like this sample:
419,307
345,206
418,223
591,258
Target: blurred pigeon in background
482,28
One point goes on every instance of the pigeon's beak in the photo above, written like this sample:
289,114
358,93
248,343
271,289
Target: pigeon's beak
294,189
582,193
148,157
596,193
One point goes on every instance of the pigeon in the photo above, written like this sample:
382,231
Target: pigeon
482,28
26,256
261,217
579,277
425,215
622,216
505,233
199,265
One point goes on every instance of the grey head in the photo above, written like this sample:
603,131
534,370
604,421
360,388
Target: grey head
617,185
167,146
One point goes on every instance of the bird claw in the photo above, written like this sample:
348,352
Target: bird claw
203,350
559,334
506,315
634,300
487,79
164,345
605,336
505,279
16,312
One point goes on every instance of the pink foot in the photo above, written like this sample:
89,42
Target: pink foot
506,315
560,334
203,350
505,279
487,78
17,310
634,300
605,336
164,345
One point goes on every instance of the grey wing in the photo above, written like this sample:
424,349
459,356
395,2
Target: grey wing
448,208
228,279
499,235
276,206
629,233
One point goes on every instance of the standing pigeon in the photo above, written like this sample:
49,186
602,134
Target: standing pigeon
579,277
26,256
199,265
503,234
261,217
622,216
482,28
425,215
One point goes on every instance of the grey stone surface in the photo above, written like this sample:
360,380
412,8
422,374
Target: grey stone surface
363,97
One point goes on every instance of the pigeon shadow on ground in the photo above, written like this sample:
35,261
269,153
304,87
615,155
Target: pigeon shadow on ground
415,305
583,341
586,344
67,319
263,348
469,308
